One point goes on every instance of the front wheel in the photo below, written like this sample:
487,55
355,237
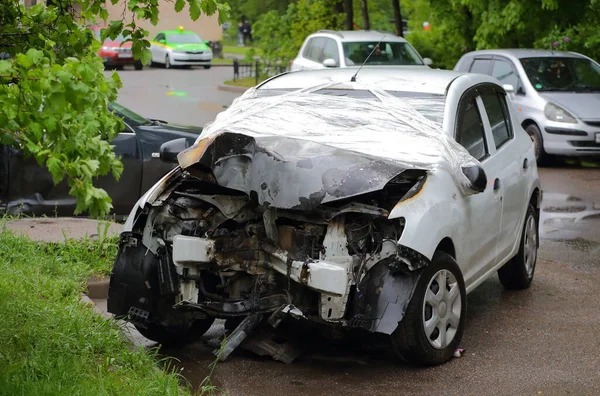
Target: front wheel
207,67
434,320
176,336
517,274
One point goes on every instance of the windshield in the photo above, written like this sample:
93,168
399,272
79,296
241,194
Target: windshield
184,38
429,105
562,74
131,118
388,53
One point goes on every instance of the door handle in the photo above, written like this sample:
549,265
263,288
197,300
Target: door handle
525,163
496,184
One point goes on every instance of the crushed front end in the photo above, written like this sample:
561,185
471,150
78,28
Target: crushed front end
204,246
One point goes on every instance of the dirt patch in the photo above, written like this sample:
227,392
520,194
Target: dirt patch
59,229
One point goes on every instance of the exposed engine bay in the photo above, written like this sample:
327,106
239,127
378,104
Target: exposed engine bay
206,251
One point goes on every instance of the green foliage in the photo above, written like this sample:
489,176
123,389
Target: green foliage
459,26
300,19
54,93
51,343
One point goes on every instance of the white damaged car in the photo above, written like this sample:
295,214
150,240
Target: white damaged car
374,201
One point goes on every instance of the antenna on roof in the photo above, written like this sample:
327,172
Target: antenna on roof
353,79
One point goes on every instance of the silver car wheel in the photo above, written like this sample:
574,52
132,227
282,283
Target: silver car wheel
530,248
441,309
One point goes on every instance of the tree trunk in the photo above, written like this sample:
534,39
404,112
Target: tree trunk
398,18
365,14
349,14
338,13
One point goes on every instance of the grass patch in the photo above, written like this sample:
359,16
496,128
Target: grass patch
50,343
246,82
232,49
224,61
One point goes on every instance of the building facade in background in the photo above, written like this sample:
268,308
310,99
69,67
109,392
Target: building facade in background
206,26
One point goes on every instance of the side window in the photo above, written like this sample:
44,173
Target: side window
482,66
497,112
316,50
331,51
307,49
159,36
504,72
469,130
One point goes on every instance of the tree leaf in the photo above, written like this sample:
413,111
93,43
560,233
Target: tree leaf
195,9
179,4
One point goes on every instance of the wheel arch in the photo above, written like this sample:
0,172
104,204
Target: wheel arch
446,245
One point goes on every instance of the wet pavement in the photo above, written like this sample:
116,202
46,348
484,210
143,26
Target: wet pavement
541,341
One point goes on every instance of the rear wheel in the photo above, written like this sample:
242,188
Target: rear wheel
433,323
538,143
518,273
175,336
138,65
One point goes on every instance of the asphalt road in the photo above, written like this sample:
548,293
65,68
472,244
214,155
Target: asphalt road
181,96
542,341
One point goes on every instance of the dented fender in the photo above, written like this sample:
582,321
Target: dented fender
381,298
430,215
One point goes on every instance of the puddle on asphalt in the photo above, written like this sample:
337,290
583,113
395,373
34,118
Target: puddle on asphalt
570,220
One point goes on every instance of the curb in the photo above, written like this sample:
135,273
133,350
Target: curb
98,290
230,88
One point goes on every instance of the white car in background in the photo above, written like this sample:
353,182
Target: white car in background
375,205
331,48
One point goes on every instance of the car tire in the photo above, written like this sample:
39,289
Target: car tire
413,340
176,336
538,143
167,62
138,65
518,273
207,67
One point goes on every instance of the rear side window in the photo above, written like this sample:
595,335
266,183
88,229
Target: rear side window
314,50
482,66
497,112
504,72
159,36
470,132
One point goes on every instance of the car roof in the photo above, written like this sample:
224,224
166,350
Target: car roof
360,35
178,31
404,79
528,53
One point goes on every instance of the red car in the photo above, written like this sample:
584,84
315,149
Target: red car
116,53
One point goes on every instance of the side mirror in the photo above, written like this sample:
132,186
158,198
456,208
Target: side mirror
427,61
329,63
162,41
477,178
169,150
509,88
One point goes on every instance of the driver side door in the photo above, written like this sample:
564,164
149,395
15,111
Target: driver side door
483,211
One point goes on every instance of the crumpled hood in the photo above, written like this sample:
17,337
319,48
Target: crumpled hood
289,173
304,143
585,106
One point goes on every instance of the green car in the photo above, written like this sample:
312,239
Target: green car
180,48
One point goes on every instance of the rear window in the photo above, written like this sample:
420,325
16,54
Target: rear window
429,105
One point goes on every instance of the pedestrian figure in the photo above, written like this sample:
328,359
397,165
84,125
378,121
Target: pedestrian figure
247,31
240,34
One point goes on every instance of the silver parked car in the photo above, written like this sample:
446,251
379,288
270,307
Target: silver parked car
331,48
556,95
